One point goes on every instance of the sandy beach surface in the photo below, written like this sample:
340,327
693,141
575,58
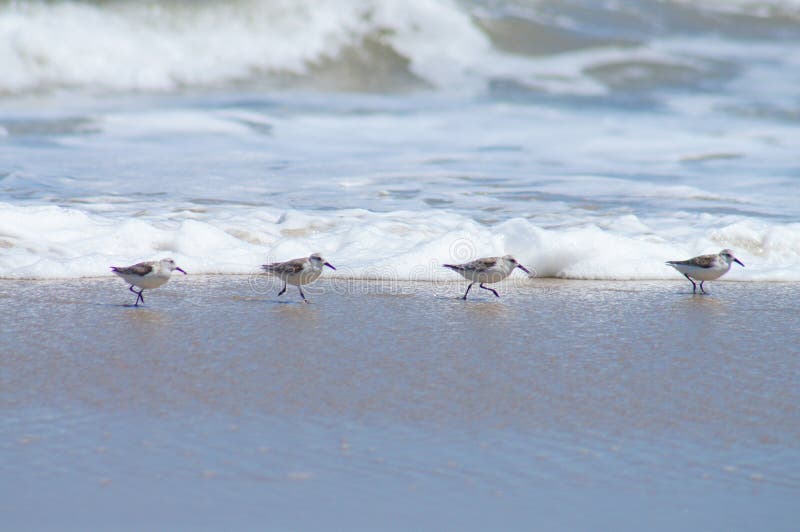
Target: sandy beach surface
564,405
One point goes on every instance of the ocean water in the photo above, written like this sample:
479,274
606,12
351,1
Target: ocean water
592,140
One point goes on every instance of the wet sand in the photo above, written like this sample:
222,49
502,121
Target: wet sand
561,405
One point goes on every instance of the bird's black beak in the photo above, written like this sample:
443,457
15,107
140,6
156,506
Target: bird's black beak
181,270
329,265
524,269
740,262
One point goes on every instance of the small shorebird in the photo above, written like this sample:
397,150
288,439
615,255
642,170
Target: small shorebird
298,271
148,275
487,270
705,267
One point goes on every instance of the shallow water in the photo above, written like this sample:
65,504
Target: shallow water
563,404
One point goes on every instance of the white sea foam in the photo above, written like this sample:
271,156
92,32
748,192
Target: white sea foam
56,242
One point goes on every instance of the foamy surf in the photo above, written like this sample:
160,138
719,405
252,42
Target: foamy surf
46,242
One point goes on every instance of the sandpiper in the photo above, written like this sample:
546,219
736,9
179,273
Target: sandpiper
705,267
298,271
487,270
148,275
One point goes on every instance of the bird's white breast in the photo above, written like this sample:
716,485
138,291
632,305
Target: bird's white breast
148,281
491,275
703,274
308,275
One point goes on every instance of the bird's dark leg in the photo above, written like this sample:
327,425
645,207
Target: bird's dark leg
701,287
492,290
694,286
467,292
282,291
302,294
138,295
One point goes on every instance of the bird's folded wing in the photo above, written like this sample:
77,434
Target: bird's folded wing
481,264
143,268
477,265
703,261
288,268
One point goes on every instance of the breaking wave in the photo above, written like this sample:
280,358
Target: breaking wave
574,47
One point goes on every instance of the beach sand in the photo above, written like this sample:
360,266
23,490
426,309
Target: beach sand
561,405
